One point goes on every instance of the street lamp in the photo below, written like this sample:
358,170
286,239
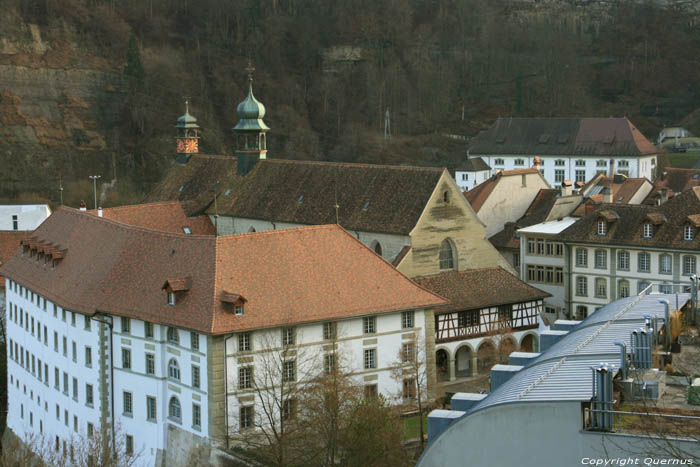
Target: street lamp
94,186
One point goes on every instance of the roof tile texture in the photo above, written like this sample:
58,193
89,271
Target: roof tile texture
166,216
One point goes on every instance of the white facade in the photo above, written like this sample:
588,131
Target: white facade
556,169
466,180
601,274
386,245
368,356
23,216
543,263
54,363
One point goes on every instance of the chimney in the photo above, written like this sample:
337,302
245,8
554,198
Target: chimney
566,188
612,168
99,211
83,206
536,162
607,195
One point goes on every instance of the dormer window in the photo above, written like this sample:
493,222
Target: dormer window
688,233
602,227
647,231
238,309
175,287
233,302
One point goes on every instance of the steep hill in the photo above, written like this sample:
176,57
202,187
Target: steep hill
328,72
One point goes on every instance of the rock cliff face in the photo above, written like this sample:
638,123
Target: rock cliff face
57,108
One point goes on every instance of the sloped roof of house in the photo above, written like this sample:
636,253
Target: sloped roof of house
668,220
167,216
675,180
473,164
562,136
376,198
9,242
288,276
478,195
196,182
479,288
536,213
623,188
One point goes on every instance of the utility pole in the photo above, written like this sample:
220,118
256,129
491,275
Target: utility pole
60,187
94,179
387,125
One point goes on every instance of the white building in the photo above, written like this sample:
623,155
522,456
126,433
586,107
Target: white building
472,172
23,216
157,337
543,263
569,148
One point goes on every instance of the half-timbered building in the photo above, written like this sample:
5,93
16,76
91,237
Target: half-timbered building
490,314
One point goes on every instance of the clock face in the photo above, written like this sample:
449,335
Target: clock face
187,145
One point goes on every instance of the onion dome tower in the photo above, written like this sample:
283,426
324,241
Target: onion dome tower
250,130
187,133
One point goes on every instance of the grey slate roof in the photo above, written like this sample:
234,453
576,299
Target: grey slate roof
562,136
473,164
563,372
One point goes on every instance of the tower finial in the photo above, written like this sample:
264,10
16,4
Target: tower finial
250,69
187,105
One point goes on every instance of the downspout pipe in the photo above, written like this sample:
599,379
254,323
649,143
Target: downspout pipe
226,338
109,323
623,358
667,324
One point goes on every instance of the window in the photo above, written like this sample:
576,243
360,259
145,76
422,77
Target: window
15,222
581,312
582,286
519,162
127,403
88,322
665,264
88,394
688,233
406,319
56,382
65,346
601,163
505,313
558,175
148,330
602,227
498,162
369,325
623,260
173,369
55,341
329,331
126,359
244,342
150,364
531,246
289,409
540,246
173,336
623,288
238,309
74,351
580,163
151,409
194,340
523,180
195,376
623,163
666,288
642,286
516,260
289,371
560,162
581,176
126,325
581,257
90,430
72,315
245,418
465,177
329,363
601,288
75,389
287,336
370,359
129,448
407,352
643,262
171,298
65,383
689,264
601,259
409,388
196,415
446,255
174,410
245,377
647,232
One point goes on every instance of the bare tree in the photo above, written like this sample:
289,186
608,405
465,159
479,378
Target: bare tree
410,372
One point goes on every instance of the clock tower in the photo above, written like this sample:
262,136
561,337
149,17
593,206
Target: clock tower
188,133
250,130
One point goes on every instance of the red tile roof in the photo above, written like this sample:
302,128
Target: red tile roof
9,242
168,216
289,276
479,288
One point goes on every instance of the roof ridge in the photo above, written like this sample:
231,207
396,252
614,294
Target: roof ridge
140,205
355,164
277,231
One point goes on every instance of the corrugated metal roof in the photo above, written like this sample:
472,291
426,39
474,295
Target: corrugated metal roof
563,372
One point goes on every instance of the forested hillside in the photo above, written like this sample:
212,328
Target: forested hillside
95,86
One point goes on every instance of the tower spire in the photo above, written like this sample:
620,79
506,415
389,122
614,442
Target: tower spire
251,129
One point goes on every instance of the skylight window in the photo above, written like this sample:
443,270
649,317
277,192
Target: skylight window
366,206
182,187
301,199
227,192
187,230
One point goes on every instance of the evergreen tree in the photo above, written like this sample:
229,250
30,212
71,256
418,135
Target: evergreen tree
134,68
